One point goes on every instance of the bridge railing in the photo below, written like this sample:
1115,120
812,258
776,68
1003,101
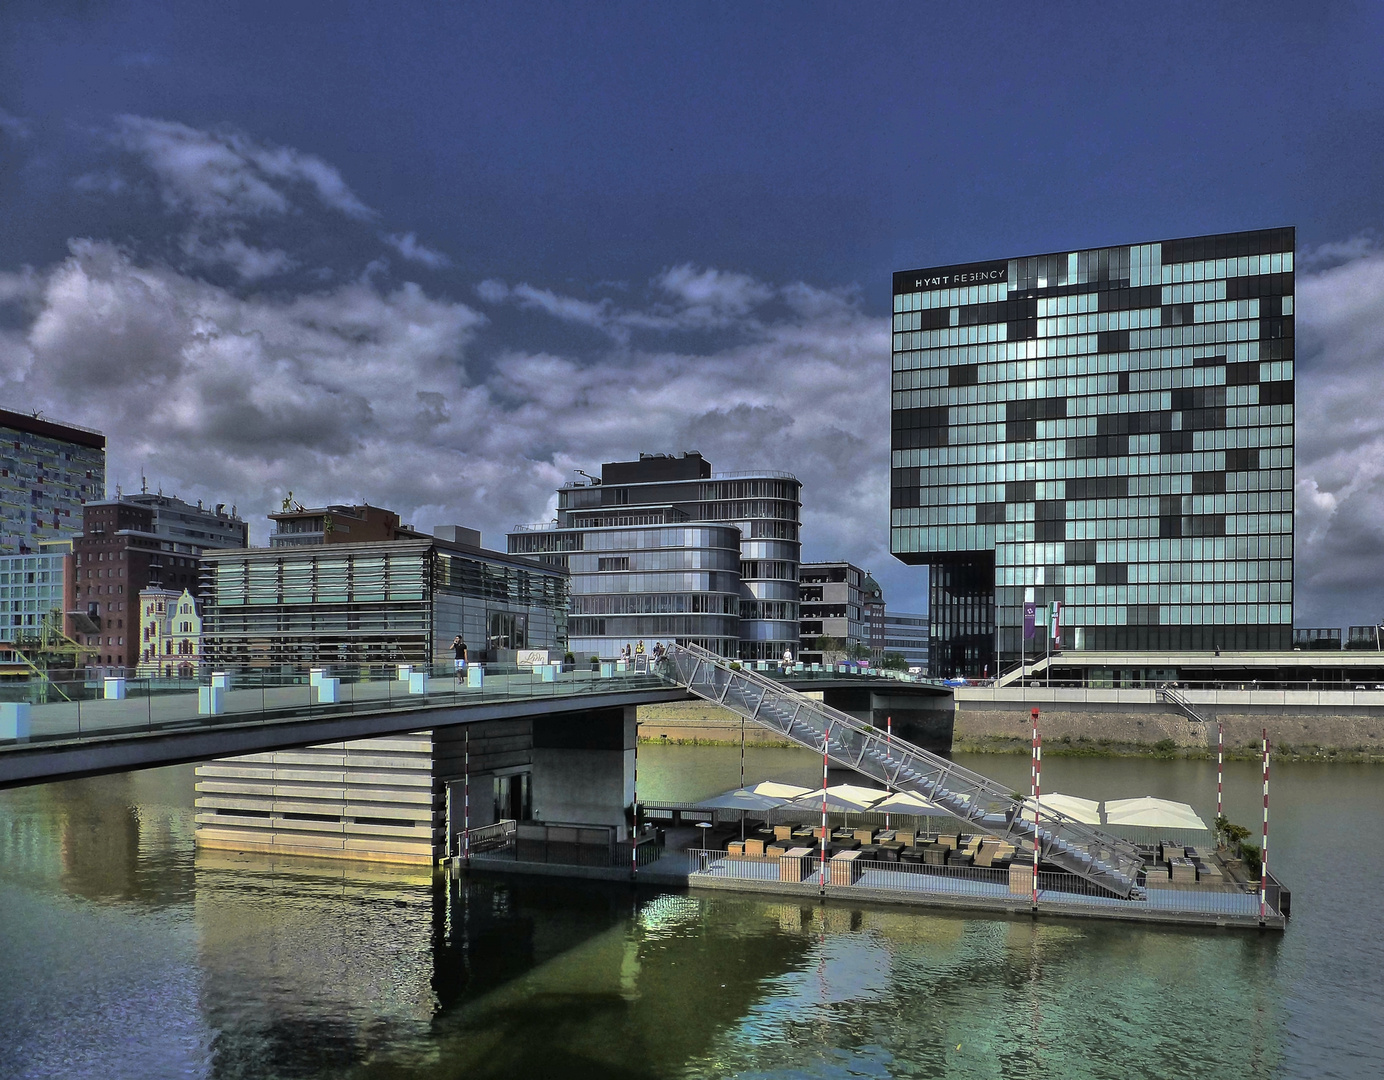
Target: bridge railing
29,715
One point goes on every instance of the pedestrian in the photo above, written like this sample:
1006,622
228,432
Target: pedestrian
787,659
639,649
460,655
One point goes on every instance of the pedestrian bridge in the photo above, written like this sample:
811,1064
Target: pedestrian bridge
55,731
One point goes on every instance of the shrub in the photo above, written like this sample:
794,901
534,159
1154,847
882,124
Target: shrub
1254,864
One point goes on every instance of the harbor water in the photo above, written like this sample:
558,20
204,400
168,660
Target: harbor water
125,953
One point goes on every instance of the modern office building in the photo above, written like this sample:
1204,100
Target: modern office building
906,634
1111,430
47,471
128,544
32,590
831,611
1363,638
384,602
661,548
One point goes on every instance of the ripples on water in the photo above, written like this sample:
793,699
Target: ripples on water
125,954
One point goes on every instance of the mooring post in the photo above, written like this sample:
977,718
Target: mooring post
634,811
1037,786
1220,765
466,796
822,873
888,749
1264,851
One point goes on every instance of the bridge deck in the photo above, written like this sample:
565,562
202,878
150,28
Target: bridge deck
157,724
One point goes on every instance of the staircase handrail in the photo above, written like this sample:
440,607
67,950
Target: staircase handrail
1111,862
1167,693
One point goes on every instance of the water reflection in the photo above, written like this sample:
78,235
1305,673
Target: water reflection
125,954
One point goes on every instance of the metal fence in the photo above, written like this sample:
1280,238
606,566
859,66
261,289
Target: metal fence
1056,890
42,710
496,837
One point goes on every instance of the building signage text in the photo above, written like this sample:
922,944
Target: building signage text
951,277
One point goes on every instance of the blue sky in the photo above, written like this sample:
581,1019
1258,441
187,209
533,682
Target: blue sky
438,257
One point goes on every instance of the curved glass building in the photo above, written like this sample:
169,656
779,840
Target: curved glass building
660,548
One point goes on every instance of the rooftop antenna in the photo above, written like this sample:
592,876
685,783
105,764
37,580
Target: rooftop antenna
143,483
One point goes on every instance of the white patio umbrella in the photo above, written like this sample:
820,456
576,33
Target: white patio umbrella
742,799
1086,811
1152,813
904,802
779,791
843,797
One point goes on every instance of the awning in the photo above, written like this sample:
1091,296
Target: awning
903,802
778,791
843,797
741,799
1086,811
1152,813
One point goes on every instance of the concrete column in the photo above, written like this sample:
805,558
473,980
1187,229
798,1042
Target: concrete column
583,768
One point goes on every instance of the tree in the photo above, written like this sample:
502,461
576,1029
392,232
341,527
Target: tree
895,661
833,649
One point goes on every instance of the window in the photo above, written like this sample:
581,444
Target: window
620,562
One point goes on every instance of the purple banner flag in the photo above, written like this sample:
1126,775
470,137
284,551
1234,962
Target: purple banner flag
1030,617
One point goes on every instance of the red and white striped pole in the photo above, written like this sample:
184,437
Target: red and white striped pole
634,811
1037,798
1264,851
1220,766
826,738
466,799
888,749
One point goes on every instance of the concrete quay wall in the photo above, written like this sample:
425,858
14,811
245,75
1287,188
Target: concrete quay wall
1136,720
700,722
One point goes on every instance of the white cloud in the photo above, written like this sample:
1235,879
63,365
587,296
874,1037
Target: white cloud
569,309
23,287
250,263
15,127
1337,252
493,291
712,297
408,246
227,174
356,392
1340,443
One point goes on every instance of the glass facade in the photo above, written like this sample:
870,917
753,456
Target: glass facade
31,587
385,602
1111,430
47,471
660,548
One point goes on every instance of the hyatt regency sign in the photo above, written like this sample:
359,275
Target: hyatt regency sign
951,277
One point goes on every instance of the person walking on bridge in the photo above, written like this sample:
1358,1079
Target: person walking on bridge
460,655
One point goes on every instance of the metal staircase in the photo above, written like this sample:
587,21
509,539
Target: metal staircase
1107,861
1025,669
1168,694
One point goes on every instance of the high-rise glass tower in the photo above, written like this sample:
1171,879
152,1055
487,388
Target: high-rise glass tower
1110,430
